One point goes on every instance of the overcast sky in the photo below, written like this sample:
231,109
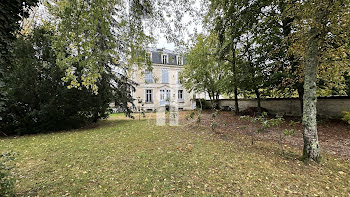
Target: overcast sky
163,43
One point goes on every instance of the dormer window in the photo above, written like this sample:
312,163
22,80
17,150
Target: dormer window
179,60
164,59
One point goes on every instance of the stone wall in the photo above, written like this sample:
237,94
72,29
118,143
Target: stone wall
328,107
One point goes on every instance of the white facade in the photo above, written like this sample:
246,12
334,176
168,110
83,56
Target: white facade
161,86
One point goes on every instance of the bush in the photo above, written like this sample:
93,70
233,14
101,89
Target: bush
346,116
6,179
203,104
265,124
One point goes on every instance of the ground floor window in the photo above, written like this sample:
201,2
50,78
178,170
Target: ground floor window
180,95
149,96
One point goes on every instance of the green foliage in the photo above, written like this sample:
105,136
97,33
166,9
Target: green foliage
285,133
264,122
78,28
267,123
203,73
7,181
288,132
346,116
293,123
191,115
11,12
203,104
38,100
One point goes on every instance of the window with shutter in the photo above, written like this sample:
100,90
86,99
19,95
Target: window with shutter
148,77
165,76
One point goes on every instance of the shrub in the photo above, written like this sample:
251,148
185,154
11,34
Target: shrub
265,124
6,178
203,104
346,116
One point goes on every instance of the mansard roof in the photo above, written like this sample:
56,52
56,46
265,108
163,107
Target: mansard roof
157,56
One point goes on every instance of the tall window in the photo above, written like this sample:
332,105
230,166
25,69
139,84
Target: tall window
180,95
164,59
148,76
162,95
179,60
149,96
165,76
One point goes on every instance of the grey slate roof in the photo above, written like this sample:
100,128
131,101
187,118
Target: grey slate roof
157,56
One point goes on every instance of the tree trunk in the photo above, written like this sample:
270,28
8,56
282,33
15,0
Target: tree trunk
258,100
311,145
236,101
214,101
211,99
300,96
217,96
234,70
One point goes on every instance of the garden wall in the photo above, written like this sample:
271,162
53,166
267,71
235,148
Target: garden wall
327,107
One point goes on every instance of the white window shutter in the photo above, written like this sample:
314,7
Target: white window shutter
165,76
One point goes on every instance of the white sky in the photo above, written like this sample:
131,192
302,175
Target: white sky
163,43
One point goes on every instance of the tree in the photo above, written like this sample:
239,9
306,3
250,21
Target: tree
234,22
228,26
257,42
39,101
323,25
11,12
78,26
202,71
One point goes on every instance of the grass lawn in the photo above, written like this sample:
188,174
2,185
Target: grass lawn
122,157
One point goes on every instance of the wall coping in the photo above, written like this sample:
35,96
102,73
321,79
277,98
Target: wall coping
292,98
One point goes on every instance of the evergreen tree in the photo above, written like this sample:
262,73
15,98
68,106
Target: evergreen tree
39,101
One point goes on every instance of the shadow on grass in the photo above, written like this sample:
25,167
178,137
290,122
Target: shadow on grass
100,124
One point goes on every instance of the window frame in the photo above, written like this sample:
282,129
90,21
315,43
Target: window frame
167,71
166,58
179,60
148,73
182,99
149,95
